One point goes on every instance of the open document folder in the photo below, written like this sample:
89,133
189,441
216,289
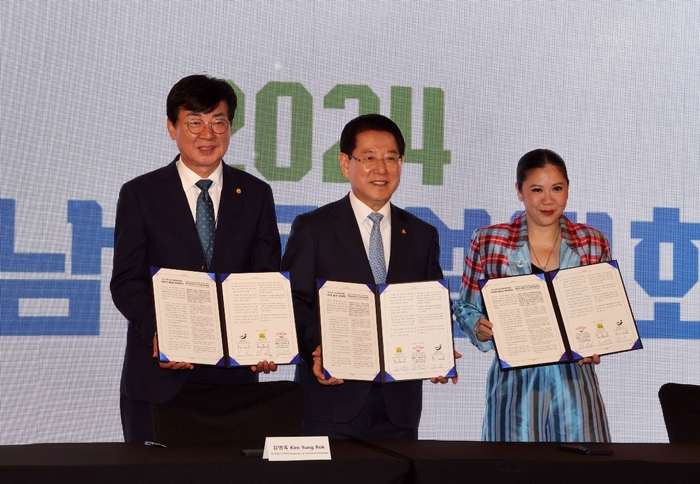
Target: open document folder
560,316
224,320
390,332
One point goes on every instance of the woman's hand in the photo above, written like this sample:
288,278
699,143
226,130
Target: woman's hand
595,359
483,329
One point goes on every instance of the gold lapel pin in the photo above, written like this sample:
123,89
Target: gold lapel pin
238,191
403,231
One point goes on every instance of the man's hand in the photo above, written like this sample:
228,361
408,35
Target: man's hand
318,370
442,379
264,366
170,365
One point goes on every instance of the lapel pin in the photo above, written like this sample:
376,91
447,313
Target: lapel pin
403,231
238,191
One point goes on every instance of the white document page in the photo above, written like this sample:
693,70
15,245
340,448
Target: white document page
417,330
259,318
595,309
349,338
525,325
187,316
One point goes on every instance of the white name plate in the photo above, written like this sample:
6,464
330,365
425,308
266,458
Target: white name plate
297,448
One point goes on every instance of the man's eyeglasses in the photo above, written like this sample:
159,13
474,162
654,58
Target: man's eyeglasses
371,160
218,126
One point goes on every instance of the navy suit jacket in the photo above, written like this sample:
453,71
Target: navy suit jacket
326,244
154,227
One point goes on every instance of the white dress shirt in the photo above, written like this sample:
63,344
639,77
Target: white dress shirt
361,212
192,191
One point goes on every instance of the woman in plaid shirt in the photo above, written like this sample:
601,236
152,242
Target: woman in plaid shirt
560,403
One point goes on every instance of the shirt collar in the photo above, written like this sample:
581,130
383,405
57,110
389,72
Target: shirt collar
189,178
362,211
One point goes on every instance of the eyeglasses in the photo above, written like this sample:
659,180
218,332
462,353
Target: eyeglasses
218,126
371,160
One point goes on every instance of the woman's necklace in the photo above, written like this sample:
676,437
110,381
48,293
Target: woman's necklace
554,244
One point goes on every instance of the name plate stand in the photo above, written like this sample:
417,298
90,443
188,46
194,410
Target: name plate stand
297,448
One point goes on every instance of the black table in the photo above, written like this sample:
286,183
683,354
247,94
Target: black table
495,462
120,463
356,462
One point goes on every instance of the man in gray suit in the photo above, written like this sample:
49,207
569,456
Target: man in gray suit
156,226
333,243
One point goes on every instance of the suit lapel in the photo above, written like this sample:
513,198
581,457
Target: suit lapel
231,205
345,227
172,195
401,242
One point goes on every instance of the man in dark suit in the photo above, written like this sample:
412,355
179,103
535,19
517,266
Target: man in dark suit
333,243
156,225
